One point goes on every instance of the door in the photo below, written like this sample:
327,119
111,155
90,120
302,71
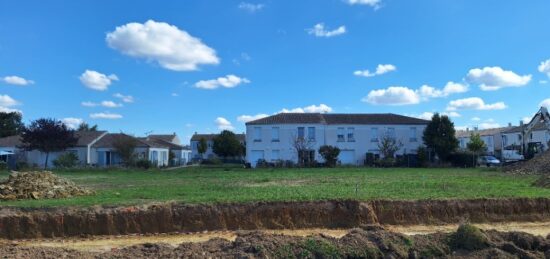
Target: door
347,157
108,158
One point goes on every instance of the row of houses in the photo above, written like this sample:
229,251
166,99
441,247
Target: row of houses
96,148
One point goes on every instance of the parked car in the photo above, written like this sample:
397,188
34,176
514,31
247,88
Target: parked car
488,161
511,156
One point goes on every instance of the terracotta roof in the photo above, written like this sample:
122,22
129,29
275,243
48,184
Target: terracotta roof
84,139
335,118
484,132
208,137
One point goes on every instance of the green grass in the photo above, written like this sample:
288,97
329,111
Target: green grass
219,185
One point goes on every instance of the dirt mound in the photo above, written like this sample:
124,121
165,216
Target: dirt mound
543,181
537,165
364,242
39,185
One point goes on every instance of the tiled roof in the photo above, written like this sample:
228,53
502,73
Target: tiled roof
84,139
208,137
165,137
108,141
156,142
335,118
517,129
484,132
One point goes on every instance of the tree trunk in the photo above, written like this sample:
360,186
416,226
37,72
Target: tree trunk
46,163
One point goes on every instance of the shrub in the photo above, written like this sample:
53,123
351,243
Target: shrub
462,159
330,154
289,164
212,161
66,160
21,165
144,164
370,159
3,166
423,157
261,163
469,238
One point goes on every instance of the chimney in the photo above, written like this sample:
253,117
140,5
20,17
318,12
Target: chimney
475,128
521,123
467,129
509,124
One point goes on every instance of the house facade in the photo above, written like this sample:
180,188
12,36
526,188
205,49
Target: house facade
517,138
491,137
105,154
209,154
180,154
274,138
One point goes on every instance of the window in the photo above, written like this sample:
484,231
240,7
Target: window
374,134
340,134
311,133
275,155
351,134
257,134
531,136
490,141
275,134
391,132
504,140
412,134
301,132
209,144
519,136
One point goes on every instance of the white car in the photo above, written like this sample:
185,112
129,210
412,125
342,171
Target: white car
488,161
512,156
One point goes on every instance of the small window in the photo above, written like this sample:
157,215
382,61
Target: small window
391,132
374,134
340,134
412,134
275,155
301,132
275,134
257,134
311,133
351,134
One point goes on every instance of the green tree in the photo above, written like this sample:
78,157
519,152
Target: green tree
10,124
202,146
439,136
86,127
330,154
476,146
48,135
226,144
388,146
125,147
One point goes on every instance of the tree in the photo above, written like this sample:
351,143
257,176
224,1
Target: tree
303,148
476,145
10,124
226,144
47,135
125,146
330,154
202,146
85,127
388,146
439,136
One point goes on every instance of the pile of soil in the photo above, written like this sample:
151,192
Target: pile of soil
543,181
39,185
537,165
366,242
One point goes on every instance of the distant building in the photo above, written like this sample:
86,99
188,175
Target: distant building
491,137
209,154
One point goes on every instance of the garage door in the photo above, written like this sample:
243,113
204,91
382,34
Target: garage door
347,157
255,155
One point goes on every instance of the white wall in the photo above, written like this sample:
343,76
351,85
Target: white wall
327,135
38,158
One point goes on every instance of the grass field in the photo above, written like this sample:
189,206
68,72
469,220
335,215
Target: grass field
209,185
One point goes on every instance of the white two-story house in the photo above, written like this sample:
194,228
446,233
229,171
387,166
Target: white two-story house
273,138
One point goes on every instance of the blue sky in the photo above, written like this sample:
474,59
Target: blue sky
186,66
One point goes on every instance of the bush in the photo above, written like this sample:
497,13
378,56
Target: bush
462,159
3,165
212,161
386,162
330,154
469,238
370,159
21,165
66,160
144,164
423,158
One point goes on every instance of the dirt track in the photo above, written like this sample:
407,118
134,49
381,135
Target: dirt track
169,218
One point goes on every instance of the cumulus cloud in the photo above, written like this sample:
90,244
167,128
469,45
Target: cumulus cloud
111,104
321,108
488,125
97,81
494,78
8,110
476,119
105,115
228,81
16,80
373,3
474,103
319,31
247,118
89,104
166,44
393,95
545,103
544,67
124,98
429,115
7,101
72,123
251,8
223,124
427,91
380,70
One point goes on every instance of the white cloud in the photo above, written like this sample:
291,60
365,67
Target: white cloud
72,123
452,114
526,119
247,118
393,95
427,91
474,103
373,3
543,82
105,115
223,124
89,104
251,8
7,101
175,94
97,81
110,104
319,31
476,119
16,80
228,81
170,47
429,115
8,110
124,98
494,78
545,103
488,125
544,67
380,70
321,108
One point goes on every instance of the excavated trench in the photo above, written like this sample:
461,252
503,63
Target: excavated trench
19,223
